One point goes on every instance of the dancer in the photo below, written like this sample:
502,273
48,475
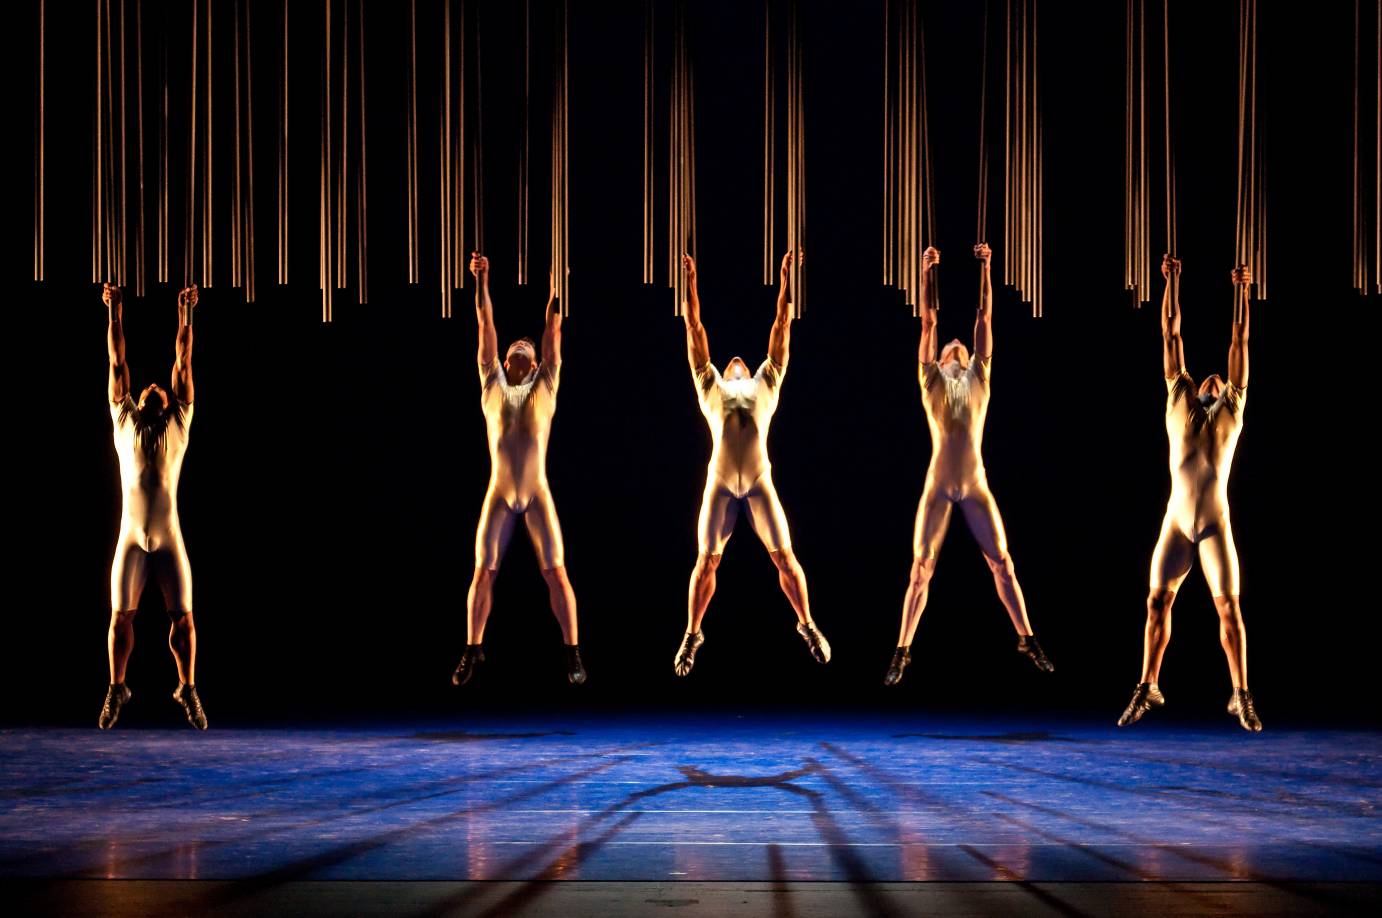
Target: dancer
1202,425
518,401
955,395
738,407
150,442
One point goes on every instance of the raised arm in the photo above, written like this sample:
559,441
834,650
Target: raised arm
484,310
1173,351
697,345
183,389
780,338
551,333
1238,348
119,385
930,304
983,320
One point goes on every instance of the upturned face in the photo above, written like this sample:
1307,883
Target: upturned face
520,361
954,358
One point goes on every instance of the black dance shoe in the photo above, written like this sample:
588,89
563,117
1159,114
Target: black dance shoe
575,669
1145,697
1027,646
815,641
901,657
186,695
1241,706
686,654
116,696
471,658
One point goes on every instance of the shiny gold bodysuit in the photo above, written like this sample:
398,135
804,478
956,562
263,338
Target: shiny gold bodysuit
519,420
150,540
1202,441
955,411
738,412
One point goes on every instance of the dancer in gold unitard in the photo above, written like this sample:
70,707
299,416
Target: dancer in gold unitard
150,442
955,395
738,407
1202,425
518,401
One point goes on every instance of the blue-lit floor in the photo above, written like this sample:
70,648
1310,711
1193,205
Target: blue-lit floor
680,798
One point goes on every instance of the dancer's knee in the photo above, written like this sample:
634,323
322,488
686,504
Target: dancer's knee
1004,572
556,577
922,571
1159,604
706,565
785,560
1230,612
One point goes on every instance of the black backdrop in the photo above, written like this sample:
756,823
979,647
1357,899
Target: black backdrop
331,489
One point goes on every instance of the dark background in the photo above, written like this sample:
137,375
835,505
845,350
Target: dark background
330,493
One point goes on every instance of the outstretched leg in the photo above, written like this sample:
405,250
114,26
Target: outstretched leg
1157,634
701,590
719,513
128,572
769,521
120,643
986,524
172,571
545,531
491,539
1170,563
1219,561
928,533
914,603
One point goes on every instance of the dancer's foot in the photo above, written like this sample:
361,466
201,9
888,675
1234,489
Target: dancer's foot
686,654
186,695
1145,697
1027,646
901,657
471,658
1241,706
815,641
116,696
575,669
